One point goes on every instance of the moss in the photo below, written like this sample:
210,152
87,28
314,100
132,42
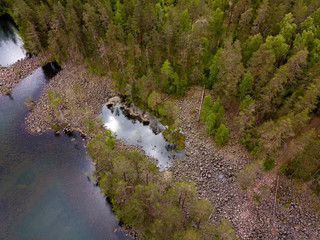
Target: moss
175,137
268,164
256,198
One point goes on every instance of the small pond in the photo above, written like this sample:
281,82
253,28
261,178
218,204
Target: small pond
133,131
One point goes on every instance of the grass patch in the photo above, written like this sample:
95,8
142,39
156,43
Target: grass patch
256,198
268,164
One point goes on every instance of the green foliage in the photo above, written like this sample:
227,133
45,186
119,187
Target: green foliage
212,117
176,137
154,100
263,53
222,135
306,163
251,143
5,6
245,85
189,234
54,99
214,70
171,81
201,211
184,21
225,231
29,103
251,45
55,126
247,176
110,139
212,114
279,46
218,27
230,71
90,125
146,199
287,27
246,102
268,163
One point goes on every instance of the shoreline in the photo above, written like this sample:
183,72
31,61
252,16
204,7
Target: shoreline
11,76
214,169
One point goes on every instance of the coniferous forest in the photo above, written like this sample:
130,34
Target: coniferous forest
259,58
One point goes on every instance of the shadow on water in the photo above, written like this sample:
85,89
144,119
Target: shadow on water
7,27
10,42
44,187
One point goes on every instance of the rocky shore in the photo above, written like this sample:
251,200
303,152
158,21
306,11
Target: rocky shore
83,96
11,76
263,211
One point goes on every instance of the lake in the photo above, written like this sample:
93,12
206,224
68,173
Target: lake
46,191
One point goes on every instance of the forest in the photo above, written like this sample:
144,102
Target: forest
259,58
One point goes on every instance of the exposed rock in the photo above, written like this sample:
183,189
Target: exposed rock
11,76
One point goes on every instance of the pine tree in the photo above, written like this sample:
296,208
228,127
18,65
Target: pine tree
200,211
245,85
288,27
250,46
230,71
184,21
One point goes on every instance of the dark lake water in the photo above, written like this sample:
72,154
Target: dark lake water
10,43
44,188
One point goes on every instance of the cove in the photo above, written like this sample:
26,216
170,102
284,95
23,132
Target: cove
46,190
44,187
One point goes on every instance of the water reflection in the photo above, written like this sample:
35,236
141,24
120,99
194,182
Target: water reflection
134,132
10,43
44,187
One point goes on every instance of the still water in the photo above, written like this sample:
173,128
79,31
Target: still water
132,131
10,43
45,187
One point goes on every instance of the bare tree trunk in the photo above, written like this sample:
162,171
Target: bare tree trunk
201,103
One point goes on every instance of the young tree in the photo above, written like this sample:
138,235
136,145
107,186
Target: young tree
288,27
154,100
222,135
245,85
214,70
250,46
261,66
200,211
184,21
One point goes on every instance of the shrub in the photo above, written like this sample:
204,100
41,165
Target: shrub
222,135
110,139
268,164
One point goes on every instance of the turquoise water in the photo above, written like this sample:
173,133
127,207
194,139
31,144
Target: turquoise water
46,190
